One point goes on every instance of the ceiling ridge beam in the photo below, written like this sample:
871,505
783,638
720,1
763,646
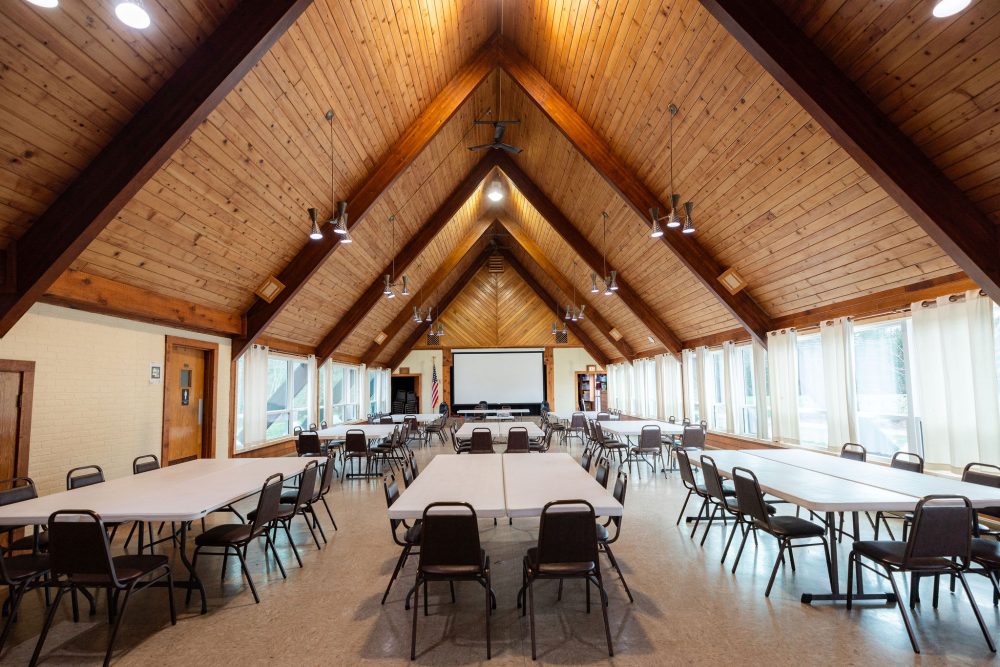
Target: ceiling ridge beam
528,246
596,352
582,247
399,158
409,253
449,296
856,123
132,157
598,152
426,291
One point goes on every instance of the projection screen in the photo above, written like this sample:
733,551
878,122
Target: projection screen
504,376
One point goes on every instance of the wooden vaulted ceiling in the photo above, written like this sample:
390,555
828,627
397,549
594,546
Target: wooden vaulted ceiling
776,196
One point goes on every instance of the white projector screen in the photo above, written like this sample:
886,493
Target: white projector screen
498,376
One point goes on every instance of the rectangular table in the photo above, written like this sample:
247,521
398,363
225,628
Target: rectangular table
371,431
500,429
588,414
533,480
480,411
477,480
182,493
422,417
633,427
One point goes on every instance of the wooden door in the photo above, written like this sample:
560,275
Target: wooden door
16,383
188,406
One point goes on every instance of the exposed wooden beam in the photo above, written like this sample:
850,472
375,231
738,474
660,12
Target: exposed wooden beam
449,296
634,192
581,246
553,303
96,294
287,346
936,204
416,137
531,249
410,251
119,171
427,289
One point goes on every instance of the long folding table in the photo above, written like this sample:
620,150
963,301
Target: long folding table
475,479
533,480
632,428
588,414
184,492
422,417
499,429
371,431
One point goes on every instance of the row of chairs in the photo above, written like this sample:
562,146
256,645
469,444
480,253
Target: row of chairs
518,442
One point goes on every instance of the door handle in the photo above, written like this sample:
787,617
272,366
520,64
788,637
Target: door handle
200,401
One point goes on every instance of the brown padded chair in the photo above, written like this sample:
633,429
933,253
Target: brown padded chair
567,549
602,472
482,441
650,446
19,573
909,462
852,451
450,551
411,536
517,440
605,540
356,449
80,556
17,490
577,426
300,504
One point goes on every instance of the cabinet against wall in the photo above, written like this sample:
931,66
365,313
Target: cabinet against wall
591,390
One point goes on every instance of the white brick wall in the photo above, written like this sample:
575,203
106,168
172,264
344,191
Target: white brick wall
92,401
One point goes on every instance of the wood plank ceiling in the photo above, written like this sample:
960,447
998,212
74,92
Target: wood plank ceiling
775,196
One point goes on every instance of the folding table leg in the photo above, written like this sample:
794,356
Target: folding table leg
193,579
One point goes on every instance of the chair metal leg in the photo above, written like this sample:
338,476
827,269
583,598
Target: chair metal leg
732,534
246,573
15,603
774,570
604,610
684,507
47,626
702,510
975,608
328,512
850,579
395,572
277,559
118,622
902,611
413,632
531,617
711,520
489,611
291,542
614,564
743,543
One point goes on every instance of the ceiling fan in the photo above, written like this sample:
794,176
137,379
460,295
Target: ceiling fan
499,127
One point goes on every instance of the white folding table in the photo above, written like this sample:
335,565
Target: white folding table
588,414
477,480
422,417
633,427
371,431
531,481
182,493
500,429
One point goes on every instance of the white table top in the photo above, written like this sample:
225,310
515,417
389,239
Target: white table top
499,430
372,431
533,480
493,411
883,477
422,418
182,492
588,414
807,488
633,427
475,479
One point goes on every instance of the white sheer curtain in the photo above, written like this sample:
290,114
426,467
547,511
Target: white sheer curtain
701,358
645,387
689,362
313,383
955,387
671,398
760,390
361,391
255,396
836,340
732,386
783,372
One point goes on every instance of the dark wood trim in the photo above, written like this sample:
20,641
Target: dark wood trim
286,346
211,391
582,247
27,371
416,137
124,166
284,447
729,441
630,188
855,122
410,251
541,260
553,303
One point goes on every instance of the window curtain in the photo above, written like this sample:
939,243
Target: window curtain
760,390
612,390
645,383
361,391
701,359
671,398
386,388
955,383
313,383
731,388
688,361
837,342
255,396
783,370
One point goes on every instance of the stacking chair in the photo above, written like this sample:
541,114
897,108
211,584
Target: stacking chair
356,449
567,549
482,441
236,537
545,443
17,490
318,495
82,476
693,487
604,540
556,426
436,427
413,430
939,543
19,573
610,446
481,405
722,503
80,555
384,452
504,414
986,474
852,451
461,445
783,528
692,440
300,503
450,551
650,445
308,444
577,424
603,417
587,459
141,464
517,440
903,461
588,431
411,535
603,471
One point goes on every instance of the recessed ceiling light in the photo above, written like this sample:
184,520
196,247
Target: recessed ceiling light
132,14
949,7
48,4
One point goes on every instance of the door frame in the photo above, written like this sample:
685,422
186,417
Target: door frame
416,388
211,389
27,371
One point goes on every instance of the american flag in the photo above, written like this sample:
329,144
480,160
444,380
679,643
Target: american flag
435,388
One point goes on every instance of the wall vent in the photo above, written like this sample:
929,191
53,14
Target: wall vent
495,264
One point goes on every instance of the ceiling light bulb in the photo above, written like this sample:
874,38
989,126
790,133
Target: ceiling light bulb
949,7
654,214
607,289
495,193
132,14
48,4
673,220
315,234
688,223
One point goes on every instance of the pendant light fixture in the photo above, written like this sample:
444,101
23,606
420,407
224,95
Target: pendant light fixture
610,279
574,312
688,223
389,280
315,234
672,220
133,14
338,210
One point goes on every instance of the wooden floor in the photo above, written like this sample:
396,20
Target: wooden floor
688,608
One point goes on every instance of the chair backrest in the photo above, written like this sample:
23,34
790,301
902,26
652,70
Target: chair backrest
621,487
517,440
482,441
21,489
713,481
749,497
907,461
671,419
411,422
693,436
687,472
355,441
602,472
578,420
986,474
444,410
391,488
603,416
942,528
449,535
296,430
854,452
326,480
598,434
145,463
649,437
567,533
407,469
588,427
686,421
586,459
267,503
307,444
307,483
385,420
312,426
83,476
79,548
322,424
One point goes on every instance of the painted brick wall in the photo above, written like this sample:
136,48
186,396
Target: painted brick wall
93,403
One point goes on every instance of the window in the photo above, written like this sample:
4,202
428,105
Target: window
715,390
287,395
745,410
691,382
812,397
342,392
321,393
882,387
